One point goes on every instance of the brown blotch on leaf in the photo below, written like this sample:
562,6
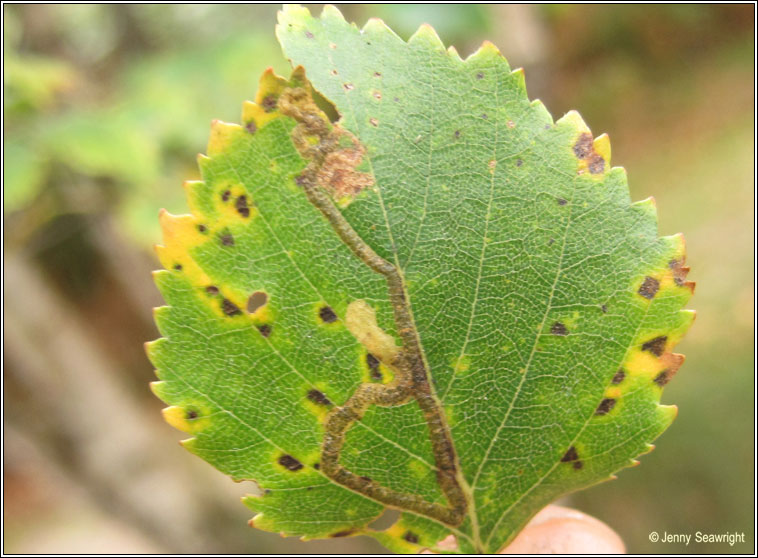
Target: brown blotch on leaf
656,345
308,35
251,127
345,533
618,377
227,239
256,300
327,314
269,103
570,455
290,463
558,328
649,287
319,398
663,378
377,74
680,271
411,537
605,406
348,86
229,308
211,289
578,465
374,122
264,330
241,206
225,196
373,366
596,164
583,146
338,173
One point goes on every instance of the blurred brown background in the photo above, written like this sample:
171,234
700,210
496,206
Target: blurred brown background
105,108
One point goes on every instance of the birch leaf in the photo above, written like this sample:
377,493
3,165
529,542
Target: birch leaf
403,285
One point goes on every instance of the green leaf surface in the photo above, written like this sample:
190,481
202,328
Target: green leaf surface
443,303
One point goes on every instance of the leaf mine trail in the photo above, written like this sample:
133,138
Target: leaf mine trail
412,379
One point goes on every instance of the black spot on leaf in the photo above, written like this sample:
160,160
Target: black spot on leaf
519,162
345,533
558,329
570,455
211,289
225,196
655,346
373,366
605,406
327,315
308,35
618,377
290,463
251,126
264,330
229,308
457,134
202,228
178,267
561,201
317,466
480,75
241,206
649,287
319,398
411,537
227,239
191,414
269,103
604,308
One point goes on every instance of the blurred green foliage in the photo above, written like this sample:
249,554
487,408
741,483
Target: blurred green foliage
106,106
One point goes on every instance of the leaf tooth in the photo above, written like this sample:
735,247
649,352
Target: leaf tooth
487,51
542,112
574,119
331,12
519,78
376,26
188,418
159,389
222,136
452,52
193,190
602,146
426,35
647,213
